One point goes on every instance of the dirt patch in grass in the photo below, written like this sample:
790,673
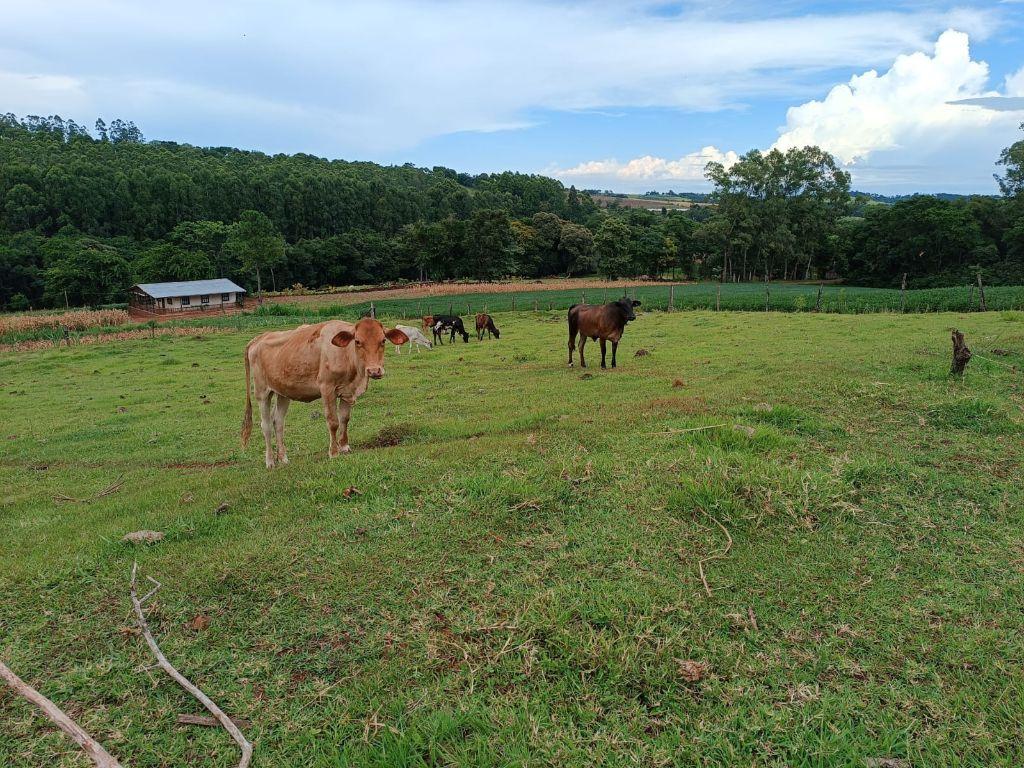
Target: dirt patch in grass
390,436
200,464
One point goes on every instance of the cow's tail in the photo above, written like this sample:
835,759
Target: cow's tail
573,321
247,415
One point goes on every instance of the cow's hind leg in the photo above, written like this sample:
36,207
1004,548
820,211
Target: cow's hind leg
279,413
603,350
615,348
267,425
572,345
583,343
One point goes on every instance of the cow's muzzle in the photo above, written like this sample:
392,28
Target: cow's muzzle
375,373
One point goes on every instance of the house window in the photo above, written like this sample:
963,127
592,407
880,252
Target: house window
170,302
185,301
225,297
204,299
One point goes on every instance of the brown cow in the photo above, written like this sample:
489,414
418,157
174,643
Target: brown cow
329,360
604,322
485,322
428,322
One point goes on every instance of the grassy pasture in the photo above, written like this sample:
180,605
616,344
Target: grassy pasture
744,297
518,583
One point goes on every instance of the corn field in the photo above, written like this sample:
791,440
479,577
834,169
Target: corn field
75,320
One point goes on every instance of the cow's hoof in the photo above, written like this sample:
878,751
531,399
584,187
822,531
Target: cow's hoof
346,449
282,460
270,463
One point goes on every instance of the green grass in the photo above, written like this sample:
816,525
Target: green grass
518,580
745,297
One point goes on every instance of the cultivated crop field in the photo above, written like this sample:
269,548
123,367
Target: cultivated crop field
517,579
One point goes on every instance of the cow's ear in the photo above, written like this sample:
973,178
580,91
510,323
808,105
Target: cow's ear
343,338
636,303
396,337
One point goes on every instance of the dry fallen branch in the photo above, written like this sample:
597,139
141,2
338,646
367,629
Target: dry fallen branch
89,745
718,556
179,678
112,488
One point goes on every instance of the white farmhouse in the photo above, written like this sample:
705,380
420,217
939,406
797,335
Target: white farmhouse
219,295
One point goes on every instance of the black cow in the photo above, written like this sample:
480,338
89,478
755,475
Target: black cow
451,323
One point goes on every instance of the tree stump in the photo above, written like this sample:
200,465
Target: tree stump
961,354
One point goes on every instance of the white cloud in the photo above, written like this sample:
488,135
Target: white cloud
899,108
1015,83
928,121
647,169
344,78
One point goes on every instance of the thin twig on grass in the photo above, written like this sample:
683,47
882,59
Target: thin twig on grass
89,745
753,618
691,429
718,556
179,678
112,488
210,722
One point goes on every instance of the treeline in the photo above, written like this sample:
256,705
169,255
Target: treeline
84,214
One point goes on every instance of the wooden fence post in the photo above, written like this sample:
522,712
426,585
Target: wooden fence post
583,294
981,294
451,306
373,312
817,304
671,298
903,293
767,293
534,303
513,302
718,298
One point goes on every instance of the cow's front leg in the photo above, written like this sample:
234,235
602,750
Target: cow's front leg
344,411
604,349
330,398
615,348
267,425
279,413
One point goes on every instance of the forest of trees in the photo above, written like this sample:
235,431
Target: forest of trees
85,214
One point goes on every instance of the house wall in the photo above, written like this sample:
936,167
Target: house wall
197,301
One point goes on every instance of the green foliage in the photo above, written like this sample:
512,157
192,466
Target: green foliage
177,211
611,246
255,244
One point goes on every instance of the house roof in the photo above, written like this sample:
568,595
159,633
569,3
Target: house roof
189,288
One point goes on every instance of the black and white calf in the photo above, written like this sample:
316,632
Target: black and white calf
451,323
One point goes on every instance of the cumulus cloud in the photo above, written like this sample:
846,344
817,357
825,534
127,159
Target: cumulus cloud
906,104
646,169
928,121
361,77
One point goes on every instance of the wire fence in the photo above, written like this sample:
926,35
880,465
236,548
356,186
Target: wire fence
723,297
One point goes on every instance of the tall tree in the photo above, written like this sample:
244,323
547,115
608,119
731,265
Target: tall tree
256,244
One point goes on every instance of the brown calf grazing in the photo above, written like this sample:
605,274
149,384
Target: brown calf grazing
328,360
485,322
605,322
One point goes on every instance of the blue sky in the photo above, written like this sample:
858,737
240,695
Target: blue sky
629,95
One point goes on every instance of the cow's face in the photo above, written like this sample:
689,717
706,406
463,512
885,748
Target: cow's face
368,339
626,304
